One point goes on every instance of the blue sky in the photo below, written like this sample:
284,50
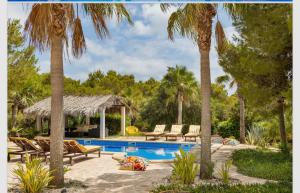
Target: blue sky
142,49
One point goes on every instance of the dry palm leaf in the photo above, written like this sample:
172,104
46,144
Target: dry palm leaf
78,41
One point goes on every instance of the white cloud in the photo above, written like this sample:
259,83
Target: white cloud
153,22
141,29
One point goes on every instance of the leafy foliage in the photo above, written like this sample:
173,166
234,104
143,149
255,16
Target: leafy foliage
264,164
112,121
24,86
224,171
33,177
228,128
184,167
256,136
261,59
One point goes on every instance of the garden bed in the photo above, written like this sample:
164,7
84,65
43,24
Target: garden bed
283,187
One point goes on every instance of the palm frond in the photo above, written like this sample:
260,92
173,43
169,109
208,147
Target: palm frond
220,37
222,79
41,25
235,10
97,15
122,13
181,23
100,11
231,84
38,26
78,40
165,7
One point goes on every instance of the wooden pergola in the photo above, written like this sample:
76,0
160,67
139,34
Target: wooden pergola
87,106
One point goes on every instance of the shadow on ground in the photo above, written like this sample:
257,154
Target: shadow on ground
137,182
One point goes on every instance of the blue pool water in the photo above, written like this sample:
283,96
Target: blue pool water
148,150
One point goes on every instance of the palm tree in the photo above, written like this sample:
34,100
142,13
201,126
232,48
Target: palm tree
180,85
229,79
47,27
195,21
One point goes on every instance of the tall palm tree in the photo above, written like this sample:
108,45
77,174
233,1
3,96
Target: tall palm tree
229,79
195,21
180,85
47,27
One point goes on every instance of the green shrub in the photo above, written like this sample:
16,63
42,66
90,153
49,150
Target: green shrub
256,136
224,171
32,177
264,164
29,132
184,167
228,128
112,122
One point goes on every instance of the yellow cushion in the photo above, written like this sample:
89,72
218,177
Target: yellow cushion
132,130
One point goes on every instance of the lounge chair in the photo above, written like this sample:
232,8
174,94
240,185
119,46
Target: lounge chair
44,143
176,131
75,149
26,147
194,132
158,131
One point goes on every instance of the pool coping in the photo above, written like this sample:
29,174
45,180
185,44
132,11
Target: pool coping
116,154
128,140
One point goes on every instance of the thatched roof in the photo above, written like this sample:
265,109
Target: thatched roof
77,105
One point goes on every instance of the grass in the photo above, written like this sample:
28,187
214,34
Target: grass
264,164
282,187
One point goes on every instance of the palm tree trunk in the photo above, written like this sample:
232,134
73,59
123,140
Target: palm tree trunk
242,116
205,115
180,101
282,123
56,136
14,114
204,42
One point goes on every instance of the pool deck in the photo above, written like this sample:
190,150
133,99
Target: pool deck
103,174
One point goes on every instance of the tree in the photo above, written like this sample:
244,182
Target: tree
262,59
265,54
47,27
181,86
228,79
195,21
23,84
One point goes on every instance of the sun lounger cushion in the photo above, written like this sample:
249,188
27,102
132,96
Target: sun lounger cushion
195,129
176,129
89,148
74,147
159,129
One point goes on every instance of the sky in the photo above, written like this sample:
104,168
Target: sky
142,49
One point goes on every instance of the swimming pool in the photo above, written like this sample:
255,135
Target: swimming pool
148,150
